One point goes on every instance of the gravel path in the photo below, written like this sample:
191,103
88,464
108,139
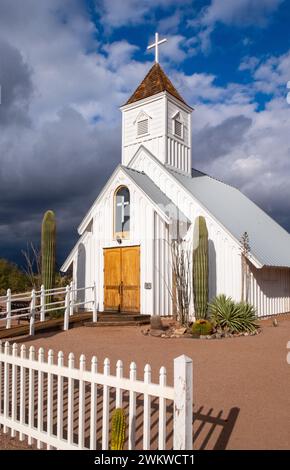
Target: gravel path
241,385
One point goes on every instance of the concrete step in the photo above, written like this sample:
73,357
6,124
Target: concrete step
116,323
121,318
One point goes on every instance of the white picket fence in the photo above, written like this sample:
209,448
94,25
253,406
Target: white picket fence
69,407
38,305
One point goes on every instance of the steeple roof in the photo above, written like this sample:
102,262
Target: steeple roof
154,82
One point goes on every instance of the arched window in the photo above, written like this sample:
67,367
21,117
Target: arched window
122,212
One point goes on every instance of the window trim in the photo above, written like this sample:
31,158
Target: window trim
122,235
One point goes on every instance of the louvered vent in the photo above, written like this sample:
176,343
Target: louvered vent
178,128
142,127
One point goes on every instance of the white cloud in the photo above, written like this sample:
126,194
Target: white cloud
117,13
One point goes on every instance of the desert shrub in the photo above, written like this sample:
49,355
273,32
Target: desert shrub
231,316
202,327
11,277
55,314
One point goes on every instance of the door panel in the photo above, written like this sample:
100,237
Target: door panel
112,278
122,279
130,301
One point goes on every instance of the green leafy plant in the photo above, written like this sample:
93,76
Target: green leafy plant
232,317
118,429
200,268
202,327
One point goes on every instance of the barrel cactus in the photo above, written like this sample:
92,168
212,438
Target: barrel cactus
200,268
48,242
118,429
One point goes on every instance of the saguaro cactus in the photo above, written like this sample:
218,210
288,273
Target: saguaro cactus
118,429
200,268
48,237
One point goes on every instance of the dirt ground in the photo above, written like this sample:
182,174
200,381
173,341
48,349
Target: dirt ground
241,385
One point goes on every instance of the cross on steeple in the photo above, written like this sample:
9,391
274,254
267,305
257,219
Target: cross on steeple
156,44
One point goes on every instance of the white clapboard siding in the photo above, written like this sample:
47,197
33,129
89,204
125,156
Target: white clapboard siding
44,418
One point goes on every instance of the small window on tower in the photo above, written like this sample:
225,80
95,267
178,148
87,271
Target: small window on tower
142,127
178,128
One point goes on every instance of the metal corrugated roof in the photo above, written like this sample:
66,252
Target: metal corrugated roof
269,242
155,194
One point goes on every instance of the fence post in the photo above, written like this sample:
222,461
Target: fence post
42,303
67,308
71,309
182,431
95,310
32,313
8,309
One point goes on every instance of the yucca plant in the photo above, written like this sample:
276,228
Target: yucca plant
248,315
232,317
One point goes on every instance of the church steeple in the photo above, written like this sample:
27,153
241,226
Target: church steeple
154,82
158,118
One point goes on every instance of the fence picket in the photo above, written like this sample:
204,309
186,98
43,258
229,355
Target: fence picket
22,390
147,410
60,362
31,385
132,409
106,410
14,389
93,415
162,412
40,398
0,381
70,411
50,398
82,398
119,391
6,386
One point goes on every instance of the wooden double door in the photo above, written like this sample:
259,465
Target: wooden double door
122,279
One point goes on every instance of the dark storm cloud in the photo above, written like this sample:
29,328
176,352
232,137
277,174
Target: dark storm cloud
62,168
61,165
213,142
16,86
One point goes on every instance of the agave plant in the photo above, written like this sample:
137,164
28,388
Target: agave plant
231,316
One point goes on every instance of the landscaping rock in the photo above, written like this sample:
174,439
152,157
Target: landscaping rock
145,332
157,333
180,331
156,323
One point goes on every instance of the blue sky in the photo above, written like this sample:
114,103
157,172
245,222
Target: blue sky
67,65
